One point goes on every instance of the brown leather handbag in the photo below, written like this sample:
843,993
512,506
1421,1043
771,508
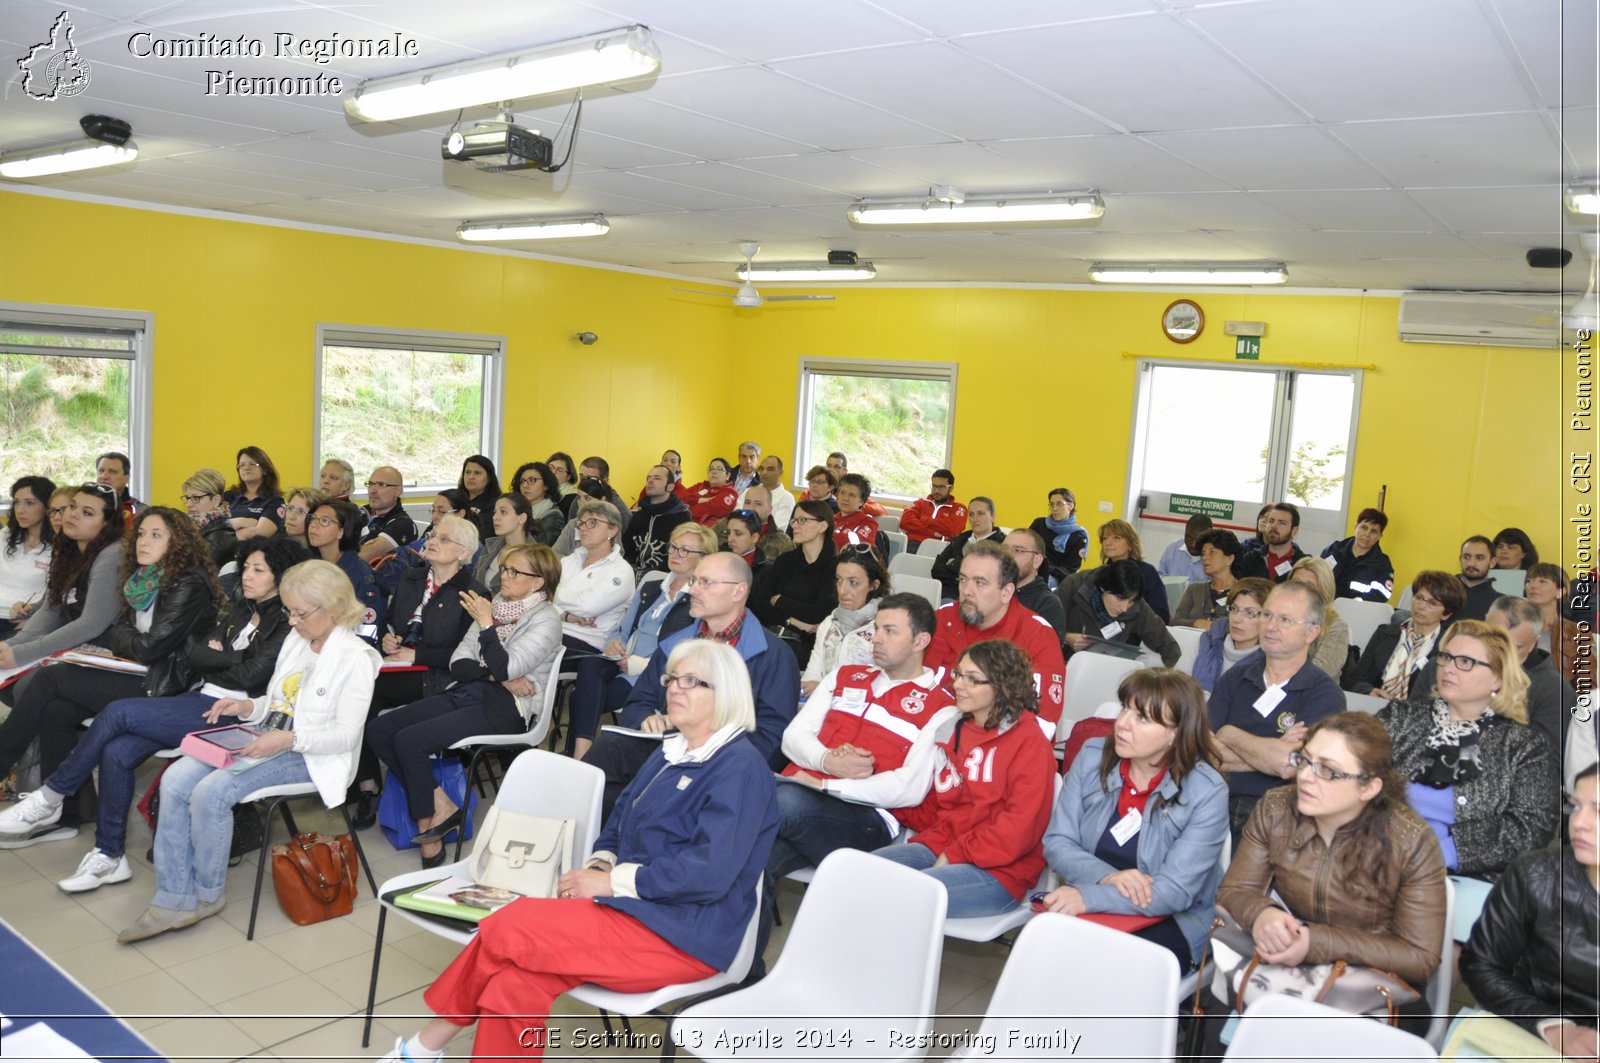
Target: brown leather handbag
314,876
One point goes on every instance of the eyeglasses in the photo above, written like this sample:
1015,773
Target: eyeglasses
857,548
1245,611
298,511
1423,599
59,511
1462,662
696,580
323,521
684,551
446,540
249,465
1025,550
194,499
379,483
588,523
507,570
298,616
1283,619
1300,762
100,489
972,679
745,513
807,520
685,682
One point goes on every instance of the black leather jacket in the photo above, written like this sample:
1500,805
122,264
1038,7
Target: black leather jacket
222,542
1535,953
444,621
249,669
181,609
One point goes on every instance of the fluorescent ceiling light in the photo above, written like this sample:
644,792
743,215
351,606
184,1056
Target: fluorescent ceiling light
806,271
601,58
994,210
1583,199
1189,272
551,228
66,158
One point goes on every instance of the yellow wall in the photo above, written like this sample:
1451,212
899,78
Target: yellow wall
1466,438
236,307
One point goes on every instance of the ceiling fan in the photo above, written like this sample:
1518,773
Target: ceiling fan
747,297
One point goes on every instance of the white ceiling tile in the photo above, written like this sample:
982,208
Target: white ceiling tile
643,121
655,190
971,167
1449,152
761,31
1363,210
1122,163
1579,126
1193,210
839,173
224,169
1448,274
1372,58
1271,157
951,18
1407,245
1511,248
1293,247
940,86
1142,74
183,92
1491,210
749,184
1553,39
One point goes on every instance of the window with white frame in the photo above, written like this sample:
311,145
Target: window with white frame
420,401
74,384
894,421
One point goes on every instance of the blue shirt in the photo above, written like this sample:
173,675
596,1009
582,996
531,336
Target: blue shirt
1308,696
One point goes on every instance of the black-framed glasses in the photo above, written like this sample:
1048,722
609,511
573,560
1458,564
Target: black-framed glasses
697,580
588,523
59,511
1299,762
685,551
803,519
379,483
685,682
507,570
323,521
1460,660
971,679
196,499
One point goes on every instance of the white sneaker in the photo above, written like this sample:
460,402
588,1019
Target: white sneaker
48,833
28,815
95,870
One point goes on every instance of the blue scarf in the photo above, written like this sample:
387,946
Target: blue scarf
1063,530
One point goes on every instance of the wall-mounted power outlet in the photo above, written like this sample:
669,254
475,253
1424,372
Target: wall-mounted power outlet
1106,507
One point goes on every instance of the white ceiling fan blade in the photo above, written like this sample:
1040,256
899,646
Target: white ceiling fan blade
696,291
796,298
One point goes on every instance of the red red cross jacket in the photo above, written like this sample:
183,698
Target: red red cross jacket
926,519
708,504
1021,625
857,527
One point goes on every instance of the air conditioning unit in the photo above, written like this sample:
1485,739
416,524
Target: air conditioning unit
1482,319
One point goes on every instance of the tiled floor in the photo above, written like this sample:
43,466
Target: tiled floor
298,993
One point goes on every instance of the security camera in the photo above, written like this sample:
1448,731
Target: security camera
586,338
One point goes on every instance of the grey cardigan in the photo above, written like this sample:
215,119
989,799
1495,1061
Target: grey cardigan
1511,808
534,641
49,630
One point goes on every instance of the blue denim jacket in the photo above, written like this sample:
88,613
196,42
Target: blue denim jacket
1179,845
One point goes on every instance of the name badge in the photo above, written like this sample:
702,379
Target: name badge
1111,630
1269,700
683,782
1127,827
1283,569
851,698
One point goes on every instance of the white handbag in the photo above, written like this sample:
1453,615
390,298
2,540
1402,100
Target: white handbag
524,854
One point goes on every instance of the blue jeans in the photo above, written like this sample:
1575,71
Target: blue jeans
972,890
195,830
121,738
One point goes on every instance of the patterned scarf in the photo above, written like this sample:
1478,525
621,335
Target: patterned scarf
506,613
1403,661
141,588
206,518
1452,755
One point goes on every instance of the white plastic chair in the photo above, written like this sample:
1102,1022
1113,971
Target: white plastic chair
1277,1027
897,541
278,798
1367,703
932,547
876,909
926,586
1438,991
538,783
538,727
1068,976
1092,678
1175,585
1404,604
989,927
1508,580
1188,640
1364,618
632,1004
890,522
911,565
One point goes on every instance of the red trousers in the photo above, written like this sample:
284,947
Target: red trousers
533,950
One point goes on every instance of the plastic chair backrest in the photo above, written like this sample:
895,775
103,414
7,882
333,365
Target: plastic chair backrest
1508,580
1438,991
1124,1003
931,547
912,565
890,522
897,542
1175,585
1092,678
1366,703
539,726
1364,618
1188,640
1280,1027
927,586
541,783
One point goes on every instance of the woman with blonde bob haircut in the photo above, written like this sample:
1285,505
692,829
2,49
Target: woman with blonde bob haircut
664,898
1331,651
308,730
202,497
1484,780
1161,763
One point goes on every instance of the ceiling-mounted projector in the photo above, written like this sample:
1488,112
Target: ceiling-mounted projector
498,146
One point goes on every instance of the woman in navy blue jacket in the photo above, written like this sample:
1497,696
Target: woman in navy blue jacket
664,899
1141,819
334,529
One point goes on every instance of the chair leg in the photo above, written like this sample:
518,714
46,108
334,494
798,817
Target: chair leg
627,1027
361,854
605,1019
288,816
372,986
262,858
472,773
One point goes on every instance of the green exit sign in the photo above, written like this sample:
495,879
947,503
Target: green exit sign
1247,348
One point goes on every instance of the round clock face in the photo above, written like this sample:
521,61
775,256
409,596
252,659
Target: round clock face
1182,321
